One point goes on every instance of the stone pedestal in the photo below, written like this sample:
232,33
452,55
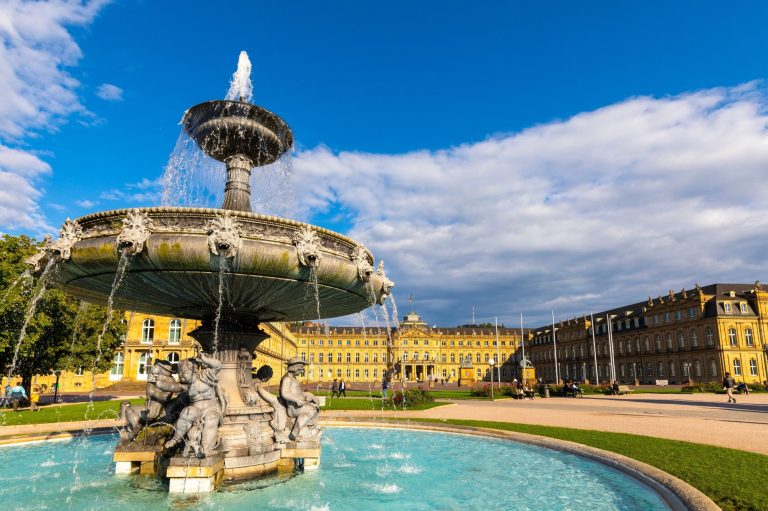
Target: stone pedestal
193,475
135,459
305,455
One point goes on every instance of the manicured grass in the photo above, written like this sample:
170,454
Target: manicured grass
452,394
732,478
369,404
63,413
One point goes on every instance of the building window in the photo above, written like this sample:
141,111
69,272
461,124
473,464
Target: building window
304,356
174,331
732,336
426,355
366,357
338,358
349,358
660,369
712,368
357,357
173,358
338,373
141,372
453,358
657,342
748,336
710,337
478,358
744,308
691,312
116,373
736,367
681,339
753,367
311,358
697,368
678,315
668,341
365,373
672,369
694,338
349,372
667,317
148,331
375,373
375,358
727,307
320,358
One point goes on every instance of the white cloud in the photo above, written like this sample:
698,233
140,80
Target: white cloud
36,93
592,212
109,92
87,204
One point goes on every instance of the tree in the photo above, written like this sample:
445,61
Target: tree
60,334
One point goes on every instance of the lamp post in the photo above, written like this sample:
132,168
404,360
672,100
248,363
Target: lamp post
491,363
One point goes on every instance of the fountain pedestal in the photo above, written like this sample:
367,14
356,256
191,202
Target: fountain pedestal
193,475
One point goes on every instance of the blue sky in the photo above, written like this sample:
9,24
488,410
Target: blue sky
518,157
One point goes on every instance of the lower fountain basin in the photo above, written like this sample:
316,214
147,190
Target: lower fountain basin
372,469
177,274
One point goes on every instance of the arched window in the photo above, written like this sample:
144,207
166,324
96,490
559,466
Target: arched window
736,367
694,338
148,331
681,340
697,368
712,368
660,369
752,367
672,369
174,331
647,344
144,360
657,342
173,358
116,373
668,341
710,337
732,336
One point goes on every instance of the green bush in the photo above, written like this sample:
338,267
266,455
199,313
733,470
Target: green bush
704,386
411,397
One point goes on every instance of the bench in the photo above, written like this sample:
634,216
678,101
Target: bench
573,393
624,389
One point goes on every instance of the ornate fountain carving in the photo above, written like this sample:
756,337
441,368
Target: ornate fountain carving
386,284
69,234
224,236
137,228
363,263
35,262
303,407
307,247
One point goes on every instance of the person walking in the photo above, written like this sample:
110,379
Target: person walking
384,387
342,388
728,385
17,394
34,398
335,388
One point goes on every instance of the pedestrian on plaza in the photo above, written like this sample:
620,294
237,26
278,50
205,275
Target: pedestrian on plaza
384,387
17,394
342,388
34,398
728,385
7,396
743,388
335,388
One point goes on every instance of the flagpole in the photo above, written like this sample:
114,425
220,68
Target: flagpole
594,348
554,344
498,354
522,341
610,348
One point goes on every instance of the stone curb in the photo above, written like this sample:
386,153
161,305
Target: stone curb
676,493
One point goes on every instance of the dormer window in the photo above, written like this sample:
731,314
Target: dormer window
744,307
727,307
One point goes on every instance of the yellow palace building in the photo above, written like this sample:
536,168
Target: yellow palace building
696,334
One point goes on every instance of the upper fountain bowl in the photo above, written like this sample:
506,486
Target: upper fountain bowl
226,128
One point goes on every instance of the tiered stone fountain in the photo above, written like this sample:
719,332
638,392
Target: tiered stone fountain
180,260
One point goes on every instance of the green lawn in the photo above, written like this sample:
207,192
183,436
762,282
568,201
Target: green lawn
369,404
63,413
730,477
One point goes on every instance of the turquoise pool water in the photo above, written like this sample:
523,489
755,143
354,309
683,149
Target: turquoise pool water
361,470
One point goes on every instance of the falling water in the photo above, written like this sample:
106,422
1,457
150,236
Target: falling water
223,269
241,87
272,190
395,314
122,266
26,276
31,309
314,286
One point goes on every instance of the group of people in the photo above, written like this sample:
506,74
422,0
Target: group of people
338,387
15,395
572,388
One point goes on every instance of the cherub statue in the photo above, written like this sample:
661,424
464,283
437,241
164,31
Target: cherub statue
200,420
161,406
301,406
